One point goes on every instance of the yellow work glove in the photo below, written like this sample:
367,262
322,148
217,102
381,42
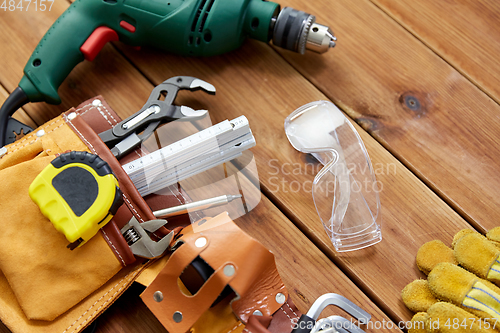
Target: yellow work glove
454,298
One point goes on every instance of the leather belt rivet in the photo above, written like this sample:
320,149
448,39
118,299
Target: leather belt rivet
257,313
72,115
229,270
96,102
280,298
3,151
177,317
200,242
158,296
40,133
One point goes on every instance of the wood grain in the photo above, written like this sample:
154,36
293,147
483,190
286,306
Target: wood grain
468,39
305,269
449,138
255,81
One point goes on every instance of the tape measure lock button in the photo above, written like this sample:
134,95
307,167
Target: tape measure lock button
78,193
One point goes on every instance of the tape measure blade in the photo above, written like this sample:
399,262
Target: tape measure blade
172,179
177,148
161,159
231,128
142,179
193,169
200,152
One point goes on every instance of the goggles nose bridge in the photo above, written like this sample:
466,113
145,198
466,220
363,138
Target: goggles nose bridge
327,156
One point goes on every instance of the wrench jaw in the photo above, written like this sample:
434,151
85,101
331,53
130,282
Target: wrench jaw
190,114
200,84
136,235
124,136
190,83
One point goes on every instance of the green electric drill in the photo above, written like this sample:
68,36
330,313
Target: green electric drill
185,27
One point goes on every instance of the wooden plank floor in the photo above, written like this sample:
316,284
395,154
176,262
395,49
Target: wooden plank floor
437,163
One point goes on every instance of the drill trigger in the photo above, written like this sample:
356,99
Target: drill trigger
96,41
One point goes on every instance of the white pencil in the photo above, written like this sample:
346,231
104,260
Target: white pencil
195,206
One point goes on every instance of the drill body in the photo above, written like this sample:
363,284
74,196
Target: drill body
185,27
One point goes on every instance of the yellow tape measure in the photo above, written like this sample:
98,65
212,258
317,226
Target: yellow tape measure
78,193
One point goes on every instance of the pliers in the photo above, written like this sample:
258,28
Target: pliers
124,137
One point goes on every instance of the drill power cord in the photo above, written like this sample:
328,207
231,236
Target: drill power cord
15,100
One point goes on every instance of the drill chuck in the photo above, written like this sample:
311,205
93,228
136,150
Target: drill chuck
297,31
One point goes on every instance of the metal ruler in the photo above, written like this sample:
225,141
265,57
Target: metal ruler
191,155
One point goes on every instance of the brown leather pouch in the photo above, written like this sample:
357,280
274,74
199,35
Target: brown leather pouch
45,286
248,268
46,278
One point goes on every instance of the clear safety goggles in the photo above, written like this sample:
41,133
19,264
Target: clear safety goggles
345,191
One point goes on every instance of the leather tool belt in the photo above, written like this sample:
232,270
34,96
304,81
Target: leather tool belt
44,287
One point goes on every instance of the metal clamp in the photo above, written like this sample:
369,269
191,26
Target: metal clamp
307,323
139,241
335,324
